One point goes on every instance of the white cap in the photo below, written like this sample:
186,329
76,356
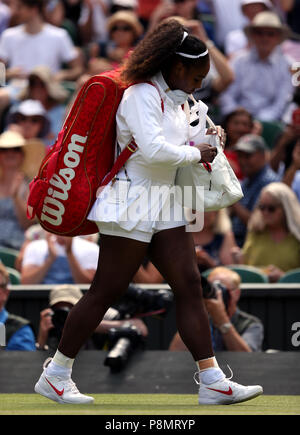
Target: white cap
31,108
267,3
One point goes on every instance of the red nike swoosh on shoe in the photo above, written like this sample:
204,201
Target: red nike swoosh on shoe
228,392
60,393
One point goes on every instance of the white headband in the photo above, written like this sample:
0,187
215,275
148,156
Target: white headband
191,56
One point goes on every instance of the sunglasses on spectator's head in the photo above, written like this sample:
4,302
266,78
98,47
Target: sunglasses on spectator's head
121,28
268,208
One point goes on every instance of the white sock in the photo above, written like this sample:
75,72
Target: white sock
60,365
209,371
211,375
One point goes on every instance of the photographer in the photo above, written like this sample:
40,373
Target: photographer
62,298
232,329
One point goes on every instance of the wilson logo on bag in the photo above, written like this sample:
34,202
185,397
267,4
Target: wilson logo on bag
63,192
53,209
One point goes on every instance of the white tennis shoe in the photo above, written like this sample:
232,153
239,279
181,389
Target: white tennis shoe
225,392
60,390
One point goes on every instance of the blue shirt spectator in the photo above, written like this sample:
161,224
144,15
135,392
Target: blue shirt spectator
263,87
18,332
262,82
23,338
59,259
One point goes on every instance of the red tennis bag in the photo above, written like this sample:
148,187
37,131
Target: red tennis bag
81,160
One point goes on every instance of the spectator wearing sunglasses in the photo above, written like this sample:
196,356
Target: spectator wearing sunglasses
19,163
237,40
31,119
273,238
124,31
262,82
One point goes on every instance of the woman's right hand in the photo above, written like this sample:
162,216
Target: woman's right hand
208,152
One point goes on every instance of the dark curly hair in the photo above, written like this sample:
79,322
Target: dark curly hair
157,52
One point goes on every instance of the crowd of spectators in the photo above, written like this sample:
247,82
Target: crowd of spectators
51,47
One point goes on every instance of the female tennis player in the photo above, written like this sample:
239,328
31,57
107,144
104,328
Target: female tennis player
175,63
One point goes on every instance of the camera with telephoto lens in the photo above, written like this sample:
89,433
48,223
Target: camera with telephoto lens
137,301
58,317
125,340
210,290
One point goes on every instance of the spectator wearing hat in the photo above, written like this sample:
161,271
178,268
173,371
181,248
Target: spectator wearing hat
19,163
237,40
124,31
262,82
43,87
34,43
58,259
237,124
252,153
30,119
61,300
19,334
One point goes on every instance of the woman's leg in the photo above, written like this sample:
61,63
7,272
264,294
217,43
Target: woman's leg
173,253
119,259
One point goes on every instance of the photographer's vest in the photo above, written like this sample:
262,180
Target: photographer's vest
13,324
243,320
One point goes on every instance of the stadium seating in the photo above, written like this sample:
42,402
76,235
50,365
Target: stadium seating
8,256
14,276
293,276
271,132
